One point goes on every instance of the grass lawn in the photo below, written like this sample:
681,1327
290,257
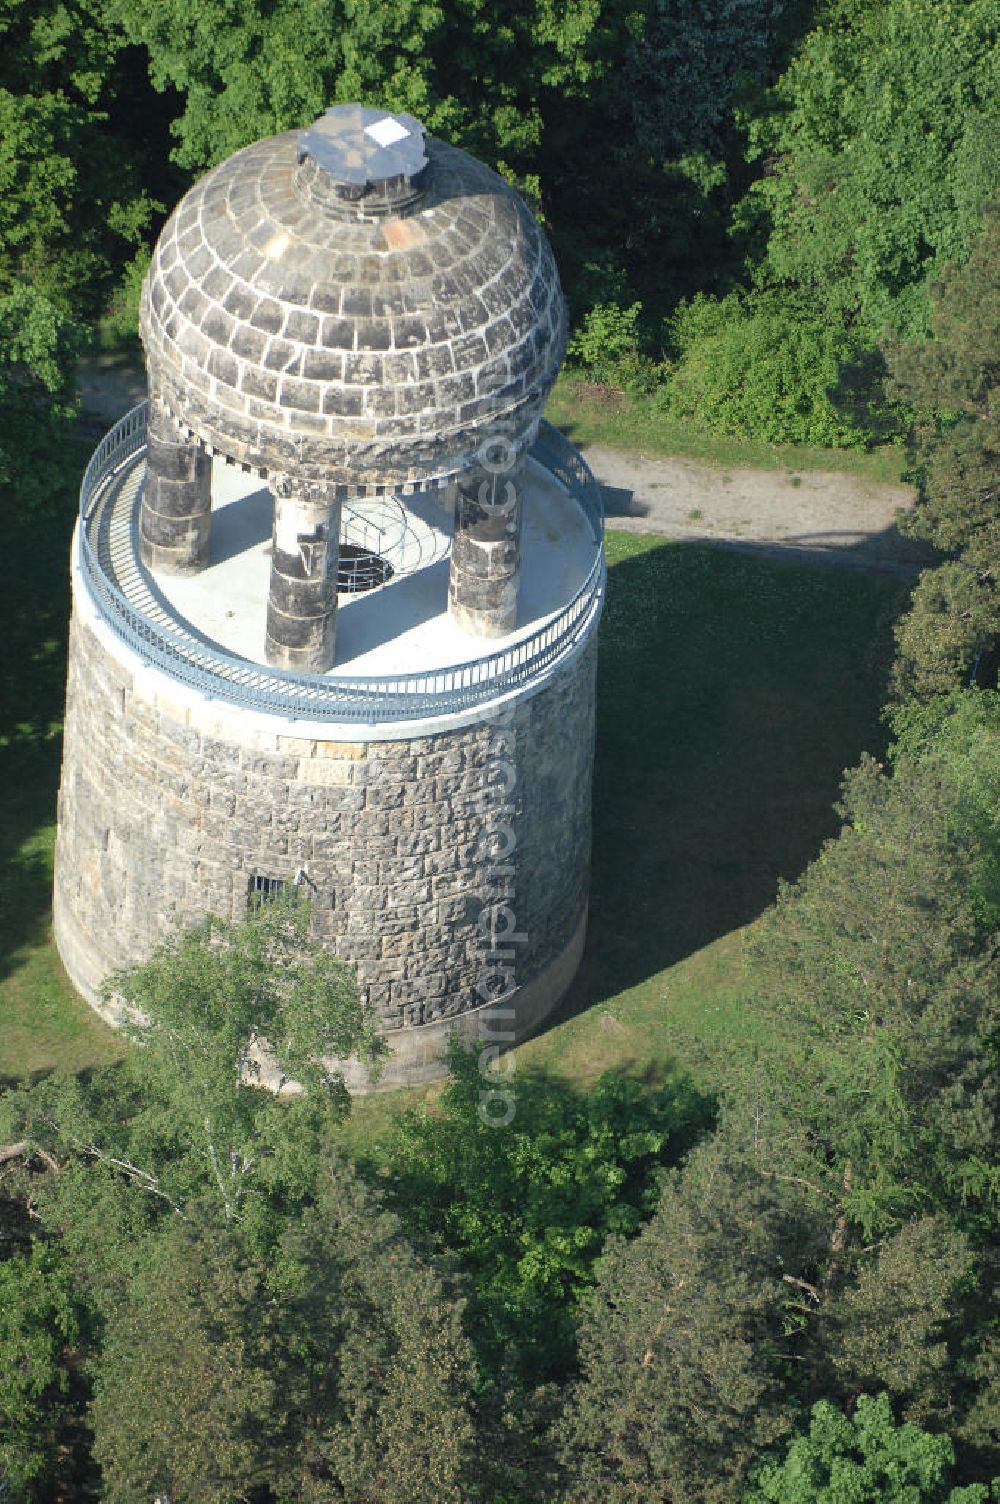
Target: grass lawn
43,1024
591,414
733,689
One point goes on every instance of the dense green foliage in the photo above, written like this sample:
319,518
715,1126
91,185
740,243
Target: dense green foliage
334,1371
192,1241
791,673
766,367
628,1293
864,1459
831,1238
834,1237
183,1118
39,1320
681,1342
952,383
74,209
744,197
527,1206
882,135
878,146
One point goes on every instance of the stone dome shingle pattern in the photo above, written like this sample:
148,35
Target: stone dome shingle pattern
370,354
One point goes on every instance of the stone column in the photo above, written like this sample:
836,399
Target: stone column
175,516
302,601
486,550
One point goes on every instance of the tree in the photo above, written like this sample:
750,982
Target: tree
253,1315
211,998
383,1397
39,344
278,66
592,110
39,1323
527,1206
872,162
864,1459
685,1341
690,64
873,1091
959,734
952,625
951,381
334,1371
183,1118
890,1329
72,210
875,173
185,1379
979,1428
879,987
766,366
215,1001
72,204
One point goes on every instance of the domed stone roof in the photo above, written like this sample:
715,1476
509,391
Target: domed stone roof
307,318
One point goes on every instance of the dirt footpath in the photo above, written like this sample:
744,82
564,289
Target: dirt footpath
818,516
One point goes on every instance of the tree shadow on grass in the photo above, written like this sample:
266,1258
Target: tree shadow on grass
26,810
32,690
733,689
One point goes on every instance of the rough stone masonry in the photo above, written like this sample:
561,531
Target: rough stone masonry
170,806
348,311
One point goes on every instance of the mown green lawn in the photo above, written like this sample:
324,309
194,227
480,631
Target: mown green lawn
733,689
43,1025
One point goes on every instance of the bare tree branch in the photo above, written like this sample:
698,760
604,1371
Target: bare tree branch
26,1150
802,1284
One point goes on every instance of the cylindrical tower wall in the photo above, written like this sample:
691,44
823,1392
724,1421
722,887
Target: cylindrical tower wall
172,805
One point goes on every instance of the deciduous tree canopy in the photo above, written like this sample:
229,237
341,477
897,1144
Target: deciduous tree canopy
787,1295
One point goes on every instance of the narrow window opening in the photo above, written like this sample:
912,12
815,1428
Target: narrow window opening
262,889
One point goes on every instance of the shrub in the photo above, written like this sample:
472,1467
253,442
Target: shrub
866,1459
607,345
761,367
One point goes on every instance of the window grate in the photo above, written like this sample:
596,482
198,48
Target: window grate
262,890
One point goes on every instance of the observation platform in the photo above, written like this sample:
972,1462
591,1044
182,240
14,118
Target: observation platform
400,656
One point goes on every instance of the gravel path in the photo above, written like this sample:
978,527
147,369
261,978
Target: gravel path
818,516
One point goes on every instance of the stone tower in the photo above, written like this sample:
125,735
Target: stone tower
336,591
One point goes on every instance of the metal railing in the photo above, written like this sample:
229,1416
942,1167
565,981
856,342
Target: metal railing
216,674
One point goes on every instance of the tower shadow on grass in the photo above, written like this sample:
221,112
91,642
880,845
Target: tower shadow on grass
733,690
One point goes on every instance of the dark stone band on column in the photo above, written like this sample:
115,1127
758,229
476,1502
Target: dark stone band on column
175,517
305,644
302,596
485,566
